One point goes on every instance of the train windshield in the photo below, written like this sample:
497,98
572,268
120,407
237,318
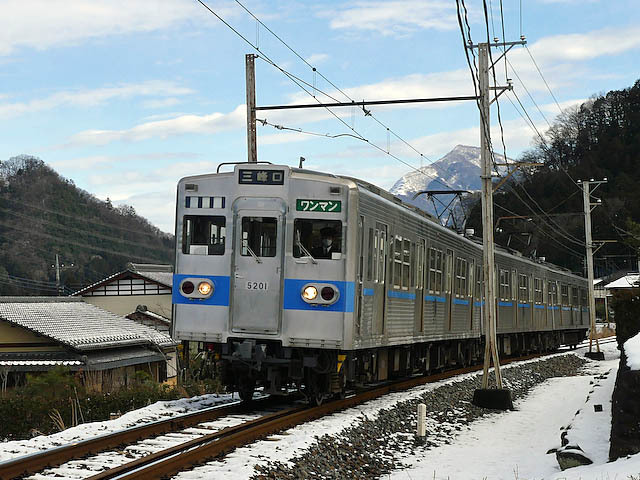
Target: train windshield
259,235
203,235
319,238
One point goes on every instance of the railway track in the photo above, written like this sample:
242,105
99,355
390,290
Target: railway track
201,445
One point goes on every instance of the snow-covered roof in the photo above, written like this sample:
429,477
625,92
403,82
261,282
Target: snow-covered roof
632,351
77,324
628,281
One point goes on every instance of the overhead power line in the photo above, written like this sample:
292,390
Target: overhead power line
300,83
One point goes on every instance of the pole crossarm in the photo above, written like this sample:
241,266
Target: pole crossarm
364,103
601,243
517,165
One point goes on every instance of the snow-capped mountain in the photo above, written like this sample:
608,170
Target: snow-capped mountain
459,169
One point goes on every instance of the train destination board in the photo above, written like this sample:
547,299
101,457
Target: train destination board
261,177
332,206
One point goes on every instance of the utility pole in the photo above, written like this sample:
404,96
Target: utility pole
252,149
499,397
57,274
588,207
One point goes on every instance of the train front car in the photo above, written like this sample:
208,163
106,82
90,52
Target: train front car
263,278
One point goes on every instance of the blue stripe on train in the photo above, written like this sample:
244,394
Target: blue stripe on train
434,298
405,295
368,292
459,301
505,304
220,295
293,300
523,305
540,307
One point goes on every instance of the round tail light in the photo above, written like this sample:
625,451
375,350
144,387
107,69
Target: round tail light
327,293
188,288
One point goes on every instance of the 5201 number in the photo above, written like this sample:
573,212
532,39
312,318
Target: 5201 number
257,286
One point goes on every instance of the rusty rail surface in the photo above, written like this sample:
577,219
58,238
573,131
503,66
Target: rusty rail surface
180,457
38,461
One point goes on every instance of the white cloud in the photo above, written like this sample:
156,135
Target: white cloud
43,24
185,124
317,58
394,17
98,161
161,103
93,97
586,46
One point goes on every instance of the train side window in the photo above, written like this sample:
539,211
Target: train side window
319,237
203,235
259,235
564,289
419,270
406,263
523,288
479,292
505,286
371,255
381,269
574,294
435,270
397,262
537,282
460,283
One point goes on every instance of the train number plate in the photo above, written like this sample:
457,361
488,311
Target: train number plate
257,285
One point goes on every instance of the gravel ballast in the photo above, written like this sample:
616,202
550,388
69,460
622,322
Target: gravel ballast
375,446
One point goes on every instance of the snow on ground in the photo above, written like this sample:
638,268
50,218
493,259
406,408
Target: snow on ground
286,445
632,351
154,412
513,445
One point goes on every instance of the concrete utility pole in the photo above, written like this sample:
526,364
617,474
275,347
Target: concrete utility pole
488,260
588,207
57,274
485,397
252,148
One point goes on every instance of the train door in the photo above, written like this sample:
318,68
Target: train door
360,276
419,283
380,280
449,287
257,265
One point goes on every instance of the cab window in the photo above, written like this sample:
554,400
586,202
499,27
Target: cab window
259,236
322,239
203,235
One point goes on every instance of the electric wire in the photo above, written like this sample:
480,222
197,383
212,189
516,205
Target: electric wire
316,71
79,244
528,93
301,84
79,230
543,79
264,122
76,218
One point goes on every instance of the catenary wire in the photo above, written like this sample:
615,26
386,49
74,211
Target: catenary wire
264,57
543,79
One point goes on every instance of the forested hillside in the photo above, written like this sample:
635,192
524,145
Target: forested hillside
43,214
599,139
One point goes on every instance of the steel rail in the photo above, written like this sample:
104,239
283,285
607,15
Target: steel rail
36,462
180,457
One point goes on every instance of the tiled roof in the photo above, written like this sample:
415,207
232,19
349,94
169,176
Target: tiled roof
79,325
165,278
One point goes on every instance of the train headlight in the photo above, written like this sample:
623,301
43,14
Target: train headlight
196,288
187,287
327,293
205,289
309,293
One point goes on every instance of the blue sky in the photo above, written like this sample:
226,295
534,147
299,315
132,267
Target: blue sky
125,97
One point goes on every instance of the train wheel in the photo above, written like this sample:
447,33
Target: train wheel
317,399
246,395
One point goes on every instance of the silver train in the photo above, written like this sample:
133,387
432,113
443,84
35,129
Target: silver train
299,279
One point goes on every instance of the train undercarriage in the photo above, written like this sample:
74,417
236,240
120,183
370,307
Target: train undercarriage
319,374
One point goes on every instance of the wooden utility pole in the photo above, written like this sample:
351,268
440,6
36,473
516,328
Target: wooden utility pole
588,207
252,148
